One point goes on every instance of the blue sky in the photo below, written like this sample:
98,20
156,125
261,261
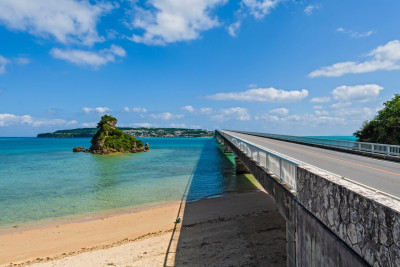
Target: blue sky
278,66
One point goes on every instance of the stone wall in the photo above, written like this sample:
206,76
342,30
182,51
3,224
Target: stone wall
309,242
367,222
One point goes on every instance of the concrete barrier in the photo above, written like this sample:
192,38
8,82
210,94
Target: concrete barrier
331,221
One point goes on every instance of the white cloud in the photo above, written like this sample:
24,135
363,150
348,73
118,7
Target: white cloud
166,116
323,99
67,21
143,125
98,110
3,64
262,95
169,21
362,93
11,119
178,125
140,110
355,34
359,112
22,60
87,58
188,108
92,124
135,109
280,111
386,57
236,113
321,112
318,107
260,8
234,28
310,9
341,105
206,110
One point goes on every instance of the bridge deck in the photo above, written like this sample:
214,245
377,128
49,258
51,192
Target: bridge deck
378,174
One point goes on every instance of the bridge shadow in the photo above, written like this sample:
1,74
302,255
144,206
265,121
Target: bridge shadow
237,224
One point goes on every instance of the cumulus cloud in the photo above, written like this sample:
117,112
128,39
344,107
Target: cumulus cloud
177,125
234,28
67,21
188,108
3,64
262,95
321,112
362,93
166,116
143,125
135,109
11,119
385,57
355,34
236,113
169,21
89,124
323,99
206,110
98,110
280,111
359,112
88,58
310,9
22,60
260,8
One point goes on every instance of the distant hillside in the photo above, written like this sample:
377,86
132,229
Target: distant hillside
137,132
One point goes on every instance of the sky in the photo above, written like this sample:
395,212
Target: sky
275,66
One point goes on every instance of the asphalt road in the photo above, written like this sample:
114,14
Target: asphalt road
379,174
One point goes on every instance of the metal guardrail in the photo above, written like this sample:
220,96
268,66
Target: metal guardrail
390,150
284,169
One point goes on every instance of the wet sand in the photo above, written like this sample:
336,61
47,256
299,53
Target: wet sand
238,229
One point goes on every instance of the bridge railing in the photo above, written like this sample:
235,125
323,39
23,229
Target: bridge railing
390,150
284,169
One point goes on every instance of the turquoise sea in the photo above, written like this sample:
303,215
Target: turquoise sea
41,179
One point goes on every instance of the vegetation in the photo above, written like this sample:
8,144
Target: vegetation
138,132
385,127
108,137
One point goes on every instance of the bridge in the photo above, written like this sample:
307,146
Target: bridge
340,199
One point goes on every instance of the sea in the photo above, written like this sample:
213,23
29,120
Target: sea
42,180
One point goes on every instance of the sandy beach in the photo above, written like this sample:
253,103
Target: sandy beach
238,229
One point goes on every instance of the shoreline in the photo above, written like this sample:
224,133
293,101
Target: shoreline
108,232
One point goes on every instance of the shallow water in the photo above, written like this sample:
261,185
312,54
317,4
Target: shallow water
42,179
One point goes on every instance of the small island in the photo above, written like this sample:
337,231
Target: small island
110,139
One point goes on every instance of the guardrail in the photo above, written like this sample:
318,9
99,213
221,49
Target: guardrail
284,169
390,150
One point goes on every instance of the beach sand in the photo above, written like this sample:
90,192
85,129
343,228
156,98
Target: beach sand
238,229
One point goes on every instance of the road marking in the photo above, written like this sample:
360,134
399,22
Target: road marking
361,165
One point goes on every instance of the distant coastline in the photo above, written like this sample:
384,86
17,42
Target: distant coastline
137,132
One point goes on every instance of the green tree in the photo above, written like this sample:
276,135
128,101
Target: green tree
385,127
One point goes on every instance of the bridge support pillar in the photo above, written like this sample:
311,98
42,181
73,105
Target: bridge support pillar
290,244
227,149
240,167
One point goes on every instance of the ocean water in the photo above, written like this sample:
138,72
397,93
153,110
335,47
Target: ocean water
342,138
42,179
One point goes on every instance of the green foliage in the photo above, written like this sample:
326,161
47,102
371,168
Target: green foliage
113,138
385,127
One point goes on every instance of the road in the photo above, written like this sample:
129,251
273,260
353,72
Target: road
379,174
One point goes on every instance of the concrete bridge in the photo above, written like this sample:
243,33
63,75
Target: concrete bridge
341,209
